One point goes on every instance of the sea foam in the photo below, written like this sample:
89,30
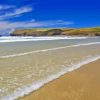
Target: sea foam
44,50
25,90
29,38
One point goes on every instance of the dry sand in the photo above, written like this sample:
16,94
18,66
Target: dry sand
81,84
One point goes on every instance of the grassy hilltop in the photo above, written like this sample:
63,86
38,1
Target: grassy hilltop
57,31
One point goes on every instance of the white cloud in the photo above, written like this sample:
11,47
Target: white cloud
16,12
32,23
6,25
3,7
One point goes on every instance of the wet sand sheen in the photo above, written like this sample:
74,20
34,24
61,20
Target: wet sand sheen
81,84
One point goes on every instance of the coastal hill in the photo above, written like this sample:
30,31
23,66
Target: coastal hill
57,31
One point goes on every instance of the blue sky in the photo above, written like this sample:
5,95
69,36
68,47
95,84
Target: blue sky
16,14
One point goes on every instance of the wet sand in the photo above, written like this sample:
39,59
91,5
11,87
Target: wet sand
81,84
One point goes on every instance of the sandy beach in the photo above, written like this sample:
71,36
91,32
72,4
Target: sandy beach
49,50
26,66
80,84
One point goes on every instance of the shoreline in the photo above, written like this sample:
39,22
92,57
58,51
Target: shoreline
61,61
59,83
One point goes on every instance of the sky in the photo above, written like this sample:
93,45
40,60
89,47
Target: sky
21,14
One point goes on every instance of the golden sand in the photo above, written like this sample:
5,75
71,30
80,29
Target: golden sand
82,84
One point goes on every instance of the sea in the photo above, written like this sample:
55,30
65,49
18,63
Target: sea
28,63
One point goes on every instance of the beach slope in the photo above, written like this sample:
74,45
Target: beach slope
81,84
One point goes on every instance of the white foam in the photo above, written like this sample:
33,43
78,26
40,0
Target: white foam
1,78
45,50
29,88
30,38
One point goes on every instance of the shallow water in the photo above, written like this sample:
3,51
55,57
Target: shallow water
20,75
10,48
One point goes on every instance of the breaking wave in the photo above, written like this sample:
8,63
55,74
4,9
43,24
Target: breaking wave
20,92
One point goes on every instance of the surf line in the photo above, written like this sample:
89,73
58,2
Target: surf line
44,50
25,90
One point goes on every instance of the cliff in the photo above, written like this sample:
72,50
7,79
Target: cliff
59,31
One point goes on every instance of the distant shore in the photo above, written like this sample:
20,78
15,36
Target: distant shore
82,84
57,31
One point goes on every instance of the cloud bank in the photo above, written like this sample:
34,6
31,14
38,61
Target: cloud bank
15,12
4,7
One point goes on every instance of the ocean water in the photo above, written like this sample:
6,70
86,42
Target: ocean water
27,63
